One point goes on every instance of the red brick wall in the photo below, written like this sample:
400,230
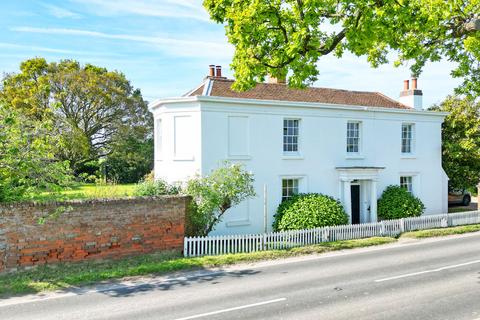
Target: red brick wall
93,229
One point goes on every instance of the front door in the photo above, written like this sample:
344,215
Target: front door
355,191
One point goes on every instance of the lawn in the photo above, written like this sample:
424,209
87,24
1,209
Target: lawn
88,191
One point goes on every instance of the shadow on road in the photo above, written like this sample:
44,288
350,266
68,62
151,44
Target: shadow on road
141,286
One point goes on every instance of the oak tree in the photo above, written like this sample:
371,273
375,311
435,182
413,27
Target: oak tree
91,108
288,37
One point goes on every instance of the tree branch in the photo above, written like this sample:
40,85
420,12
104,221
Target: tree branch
336,40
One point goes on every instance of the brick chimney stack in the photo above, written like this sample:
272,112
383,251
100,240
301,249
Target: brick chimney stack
215,72
412,97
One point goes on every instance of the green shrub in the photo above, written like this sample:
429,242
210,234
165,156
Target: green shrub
155,188
396,203
307,211
212,195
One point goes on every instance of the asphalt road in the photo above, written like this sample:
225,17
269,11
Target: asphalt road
433,279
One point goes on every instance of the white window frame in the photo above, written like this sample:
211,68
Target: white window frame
410,139
159,139
295,185
293,136
302,183
359,138
409,185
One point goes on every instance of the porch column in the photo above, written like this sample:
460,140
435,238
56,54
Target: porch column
347,199
373,200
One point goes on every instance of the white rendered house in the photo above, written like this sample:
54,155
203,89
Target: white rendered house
347,144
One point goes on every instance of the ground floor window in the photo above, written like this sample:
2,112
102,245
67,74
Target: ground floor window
289,188
406,182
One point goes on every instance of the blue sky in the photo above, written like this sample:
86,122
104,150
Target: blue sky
165,46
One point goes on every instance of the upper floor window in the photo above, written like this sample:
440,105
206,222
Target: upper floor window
407,183
353,137
407,138
290,135
289,188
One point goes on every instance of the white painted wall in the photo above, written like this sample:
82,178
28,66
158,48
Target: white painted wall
252,134
178,155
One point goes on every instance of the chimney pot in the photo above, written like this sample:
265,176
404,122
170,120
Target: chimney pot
219,72
414,83
211,72
406,85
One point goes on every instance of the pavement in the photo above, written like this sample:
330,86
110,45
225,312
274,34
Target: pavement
415,279
473,206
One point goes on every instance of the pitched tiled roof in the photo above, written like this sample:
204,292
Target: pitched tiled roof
281,92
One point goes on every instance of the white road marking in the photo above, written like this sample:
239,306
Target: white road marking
232,309
428,271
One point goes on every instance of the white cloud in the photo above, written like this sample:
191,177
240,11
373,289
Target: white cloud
167,8
177,47
7,45
60,12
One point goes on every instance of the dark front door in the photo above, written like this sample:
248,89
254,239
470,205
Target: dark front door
355,189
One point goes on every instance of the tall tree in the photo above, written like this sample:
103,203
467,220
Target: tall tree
90,106
288,37
461,141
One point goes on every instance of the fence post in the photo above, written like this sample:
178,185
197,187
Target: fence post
382,228
264,240
444,221
185,246
326,234
402,225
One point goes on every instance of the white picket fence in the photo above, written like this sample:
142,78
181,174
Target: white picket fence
216,245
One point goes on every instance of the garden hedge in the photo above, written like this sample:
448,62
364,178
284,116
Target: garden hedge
307,211
396,203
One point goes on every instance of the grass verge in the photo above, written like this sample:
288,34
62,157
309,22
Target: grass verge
60,276
442,232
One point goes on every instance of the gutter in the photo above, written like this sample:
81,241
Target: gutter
314,105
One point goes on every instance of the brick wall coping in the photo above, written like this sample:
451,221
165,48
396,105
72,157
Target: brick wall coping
80,202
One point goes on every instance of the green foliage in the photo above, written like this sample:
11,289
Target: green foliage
130,160
461,141
94,113
27,162
155,188
308,211
213,195
396,203
289,37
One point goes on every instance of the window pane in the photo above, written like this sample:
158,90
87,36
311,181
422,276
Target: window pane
407,138
289,188
407,183
290,135
353,137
